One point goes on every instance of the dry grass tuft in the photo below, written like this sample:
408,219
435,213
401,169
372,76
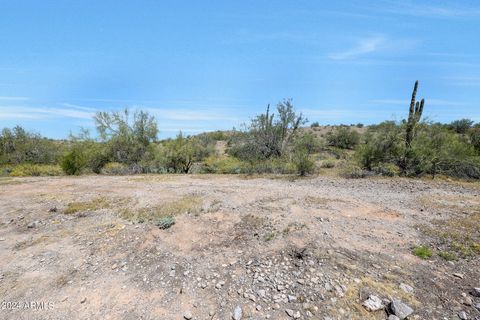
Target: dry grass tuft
92,205
187,204
459,235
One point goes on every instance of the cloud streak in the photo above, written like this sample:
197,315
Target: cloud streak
16,112
363,46
418,9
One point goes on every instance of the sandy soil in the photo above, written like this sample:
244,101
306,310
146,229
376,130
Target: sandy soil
317,247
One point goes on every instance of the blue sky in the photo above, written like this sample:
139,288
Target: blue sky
207,65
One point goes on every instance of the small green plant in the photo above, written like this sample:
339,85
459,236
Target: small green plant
449,256
165,222
422,252
269,236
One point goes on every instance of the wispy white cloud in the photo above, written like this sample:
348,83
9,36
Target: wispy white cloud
438,10
464,81
19,112
191,115
334,113
363,46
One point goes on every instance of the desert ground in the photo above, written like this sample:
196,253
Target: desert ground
241,248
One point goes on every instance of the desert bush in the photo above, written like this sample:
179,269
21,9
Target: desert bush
384,143
303,162
19,146
433,150
127,139
181,153
386,169
271,166
73,162
327,164
301,153
115,168
343,137
224,165
267,136
165,222
461,126
315,124
35,170
475,138
353,172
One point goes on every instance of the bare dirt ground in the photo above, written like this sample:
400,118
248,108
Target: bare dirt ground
268,248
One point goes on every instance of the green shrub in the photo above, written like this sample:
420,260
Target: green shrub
115,168
224,165
303,162
35,170
6,170
315,125
422,252
73,162
96,158
475,139
353,172
180,154
271,166
343,137
19,146
165,222
327,164
461,126
269,135
386,169
434,150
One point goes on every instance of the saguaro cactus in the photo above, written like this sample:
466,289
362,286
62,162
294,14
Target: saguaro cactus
414,115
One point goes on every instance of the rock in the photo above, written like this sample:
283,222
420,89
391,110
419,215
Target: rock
297,315
54,209
458,275
115,266
373,303
462,315
291,298
32,224
290,312
477,306
475,292
187,315
467,301
261,293
406,288
237,313
393,317
83,300
400,309
258,307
